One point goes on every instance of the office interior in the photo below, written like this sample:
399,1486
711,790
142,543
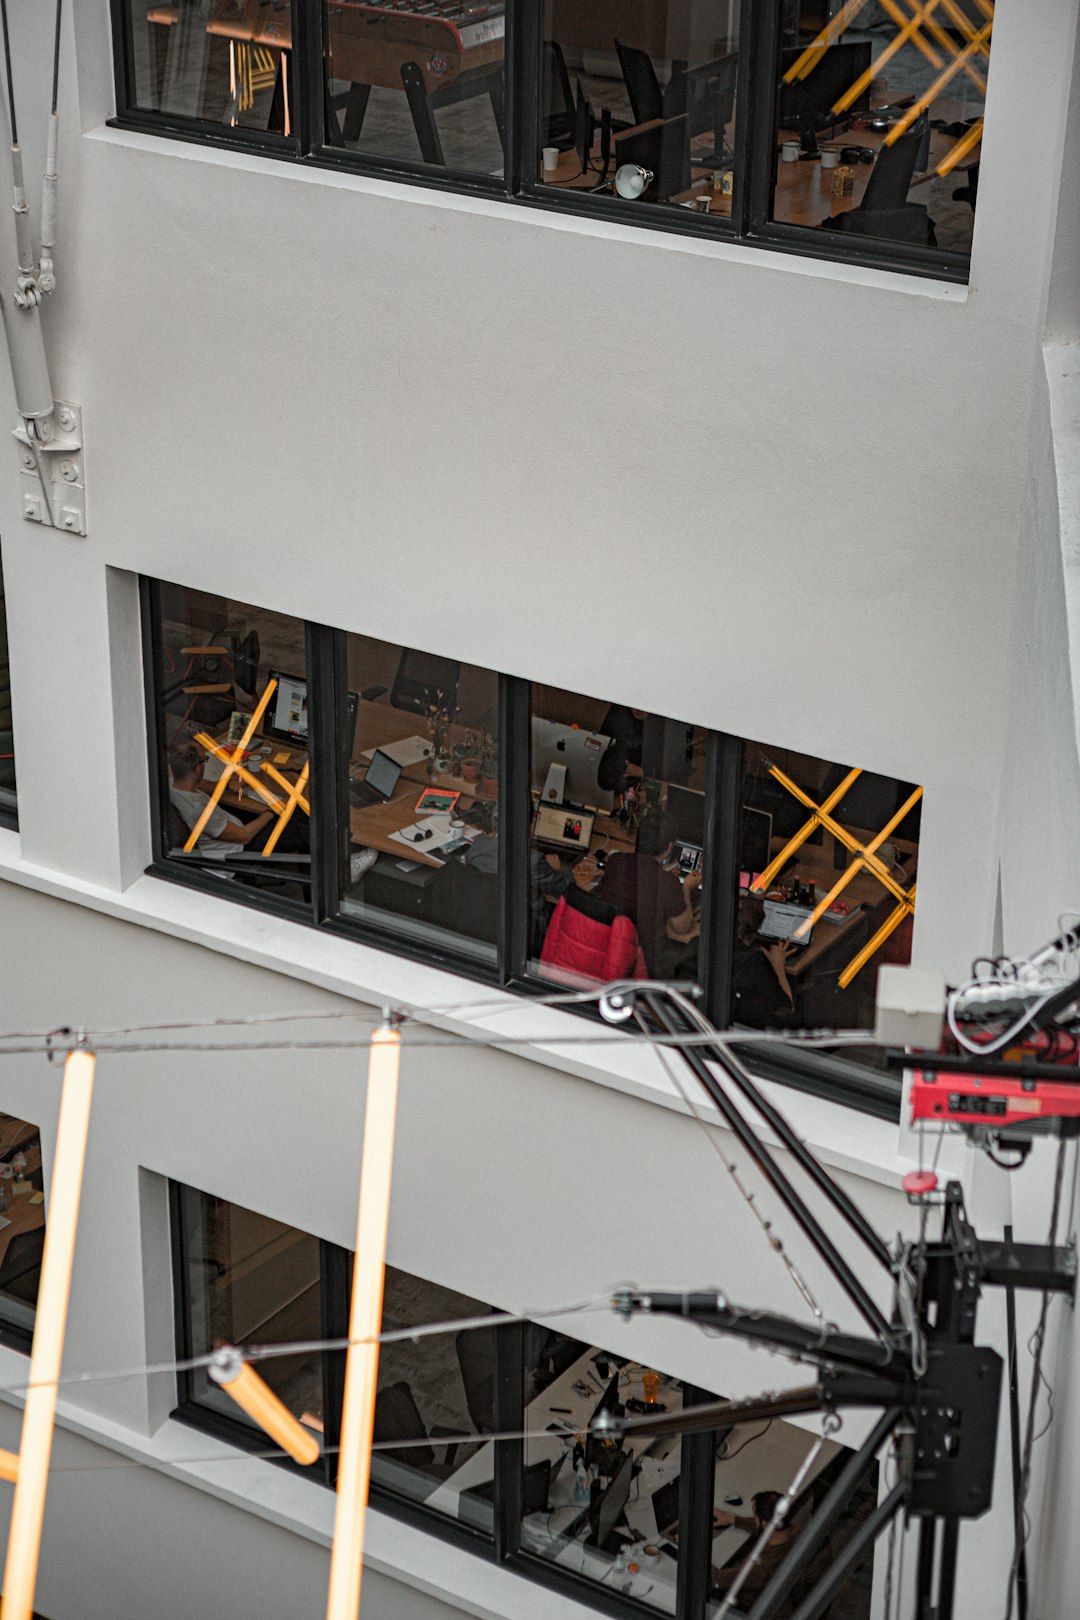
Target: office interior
876,114
7,736
609,1512
22,1223
621,842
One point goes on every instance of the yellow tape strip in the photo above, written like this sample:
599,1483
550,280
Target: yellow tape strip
240,771
921,13
232,763
819,45
774,866
295,796
892,921
857,865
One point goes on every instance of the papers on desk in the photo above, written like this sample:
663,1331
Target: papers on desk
409,751
5,1220
439,828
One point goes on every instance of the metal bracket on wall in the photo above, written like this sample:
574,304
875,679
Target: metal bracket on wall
51,472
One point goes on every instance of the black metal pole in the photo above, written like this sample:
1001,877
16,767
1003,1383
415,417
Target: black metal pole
824,1520
768,1167
864,1537
778,1332
924,1575
950,1533
1014,1430
838,1198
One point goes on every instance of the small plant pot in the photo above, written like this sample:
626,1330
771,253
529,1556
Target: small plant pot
470,771
489,786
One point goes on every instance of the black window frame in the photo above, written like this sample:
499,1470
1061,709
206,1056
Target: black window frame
503,1546
834,1078
749,225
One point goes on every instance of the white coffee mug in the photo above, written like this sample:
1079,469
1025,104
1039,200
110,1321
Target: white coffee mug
790,151
551,158
830,157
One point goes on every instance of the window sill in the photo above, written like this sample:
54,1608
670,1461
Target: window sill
537,213
848,1141
450,1574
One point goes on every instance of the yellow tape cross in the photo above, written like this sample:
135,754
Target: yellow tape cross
866,858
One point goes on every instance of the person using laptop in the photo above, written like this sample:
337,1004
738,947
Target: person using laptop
640,886
761,993
763,1506
225,832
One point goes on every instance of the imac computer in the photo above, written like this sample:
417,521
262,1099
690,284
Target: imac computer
578,754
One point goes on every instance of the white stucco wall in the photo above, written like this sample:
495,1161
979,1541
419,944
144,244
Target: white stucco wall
815,506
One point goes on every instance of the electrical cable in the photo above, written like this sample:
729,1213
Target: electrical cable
728,1455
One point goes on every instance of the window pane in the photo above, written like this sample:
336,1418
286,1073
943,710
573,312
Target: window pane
754,1463
7,742
251,1280
420,83
618,829
229,672
879,126
225,61
423,795
22,1220
432,1391
647,89
606,1509
814,920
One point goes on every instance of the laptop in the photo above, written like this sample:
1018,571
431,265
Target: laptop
563,829
781,921
379,783
665,1506
686,858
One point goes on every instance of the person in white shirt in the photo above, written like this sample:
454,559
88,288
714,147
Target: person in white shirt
224,832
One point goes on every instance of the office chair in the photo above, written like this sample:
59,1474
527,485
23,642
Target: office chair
422,680
558,98
909,223
22,1265
642,85
890,178
475,1350
397,1417
587,942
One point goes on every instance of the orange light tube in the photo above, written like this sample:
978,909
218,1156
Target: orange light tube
365,1319
857,865
46,1354
254,1396
799,839
241,772
892,921
817,47
234,760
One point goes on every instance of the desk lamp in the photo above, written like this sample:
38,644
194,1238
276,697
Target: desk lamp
630,181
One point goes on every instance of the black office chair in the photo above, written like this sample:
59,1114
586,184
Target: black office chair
642,85
870,802
476,1357
465,901
21,1269
397,1417
423,680
558,98
910,223
890,178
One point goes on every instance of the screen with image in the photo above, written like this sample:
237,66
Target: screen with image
289,709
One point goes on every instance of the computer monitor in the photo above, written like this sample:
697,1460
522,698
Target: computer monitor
576,752
562,830
287,712
665,1506
811,99
755,839
583,127
687,810
609,1509
710,97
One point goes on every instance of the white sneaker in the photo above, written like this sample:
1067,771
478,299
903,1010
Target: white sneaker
361,862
